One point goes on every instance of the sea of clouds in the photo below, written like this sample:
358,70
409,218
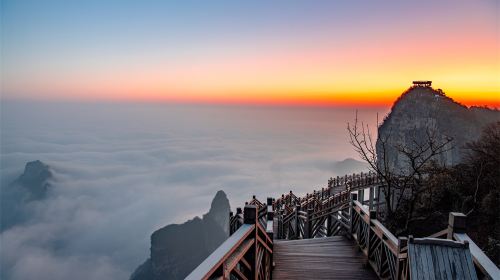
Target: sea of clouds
123,170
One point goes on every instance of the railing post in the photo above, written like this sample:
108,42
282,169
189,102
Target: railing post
371,194
270,218
354,197
250,214
270,229
378,200
231,223
401,263
281,234
373,216
329,230
361,195
308,224
456,224
297,222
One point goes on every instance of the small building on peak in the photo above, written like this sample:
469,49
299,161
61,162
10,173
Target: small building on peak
422,83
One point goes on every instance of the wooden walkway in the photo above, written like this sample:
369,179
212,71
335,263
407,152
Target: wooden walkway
320,258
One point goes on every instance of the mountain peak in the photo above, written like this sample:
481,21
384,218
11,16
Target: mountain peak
35,178
423,109
220,202
177,249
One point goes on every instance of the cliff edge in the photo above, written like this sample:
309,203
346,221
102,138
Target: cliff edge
177,249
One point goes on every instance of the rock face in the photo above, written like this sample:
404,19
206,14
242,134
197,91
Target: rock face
177,249
31,186
423,109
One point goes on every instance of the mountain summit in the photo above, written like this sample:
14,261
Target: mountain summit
421,110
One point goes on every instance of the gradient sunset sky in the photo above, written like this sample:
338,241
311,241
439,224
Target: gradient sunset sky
291,52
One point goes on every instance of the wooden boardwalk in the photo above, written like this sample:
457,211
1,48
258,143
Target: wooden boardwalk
320,258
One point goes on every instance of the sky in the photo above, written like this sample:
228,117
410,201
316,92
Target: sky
359,52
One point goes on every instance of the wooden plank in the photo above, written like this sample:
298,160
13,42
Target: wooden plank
320,258
427,261
439,242
237,255
451,260
240,274
470,265
439,234
441,270
246,263
264,244
457,263
413,261
444,254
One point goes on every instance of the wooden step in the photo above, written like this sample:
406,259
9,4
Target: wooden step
320,258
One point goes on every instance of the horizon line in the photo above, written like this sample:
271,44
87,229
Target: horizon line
239,103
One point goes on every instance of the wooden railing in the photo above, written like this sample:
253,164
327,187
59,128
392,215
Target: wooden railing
386,254
339,209
247,253
456,229
330,195
323,212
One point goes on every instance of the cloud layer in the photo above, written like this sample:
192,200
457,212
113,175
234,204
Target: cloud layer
122,171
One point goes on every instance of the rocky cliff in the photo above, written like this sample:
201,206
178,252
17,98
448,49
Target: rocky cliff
421,110
177,249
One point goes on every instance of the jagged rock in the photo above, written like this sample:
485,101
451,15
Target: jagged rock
35,179
177,249
422,109
32,185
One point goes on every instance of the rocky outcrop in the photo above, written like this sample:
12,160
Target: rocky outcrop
421,110
32,185
177,249
35,179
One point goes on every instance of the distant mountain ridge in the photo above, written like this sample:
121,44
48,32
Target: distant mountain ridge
349,166
421,109
178,249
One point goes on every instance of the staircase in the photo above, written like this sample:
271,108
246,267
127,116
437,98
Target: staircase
320,258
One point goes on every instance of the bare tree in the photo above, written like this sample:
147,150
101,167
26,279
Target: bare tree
402,186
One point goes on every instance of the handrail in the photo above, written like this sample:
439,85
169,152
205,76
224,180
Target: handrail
456,230
481,261
247,253
347,183
321,213
386,253
215,260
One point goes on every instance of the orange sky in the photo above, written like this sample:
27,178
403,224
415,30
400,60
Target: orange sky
354,57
